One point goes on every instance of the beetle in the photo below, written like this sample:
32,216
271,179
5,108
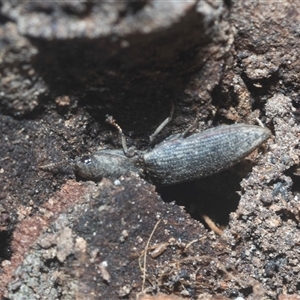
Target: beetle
177,159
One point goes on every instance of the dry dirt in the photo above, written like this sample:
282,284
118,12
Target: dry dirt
64,67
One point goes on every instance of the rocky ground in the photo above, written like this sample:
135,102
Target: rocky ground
64,67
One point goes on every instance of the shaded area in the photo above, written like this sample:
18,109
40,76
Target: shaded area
215,196
5,240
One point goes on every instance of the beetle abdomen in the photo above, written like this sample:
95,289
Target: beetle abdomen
202,154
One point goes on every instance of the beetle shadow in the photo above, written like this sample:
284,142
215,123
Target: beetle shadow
215,196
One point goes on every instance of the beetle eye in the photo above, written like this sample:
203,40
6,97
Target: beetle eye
86,159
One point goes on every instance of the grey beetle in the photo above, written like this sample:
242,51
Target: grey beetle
178,158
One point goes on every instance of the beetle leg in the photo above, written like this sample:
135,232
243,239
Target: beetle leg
162,125
191,128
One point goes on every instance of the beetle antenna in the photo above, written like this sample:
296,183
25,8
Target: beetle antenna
63,165
110,120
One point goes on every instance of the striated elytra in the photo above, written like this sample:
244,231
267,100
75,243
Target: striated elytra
178,159
202,154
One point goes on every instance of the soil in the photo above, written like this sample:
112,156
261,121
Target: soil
64,67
